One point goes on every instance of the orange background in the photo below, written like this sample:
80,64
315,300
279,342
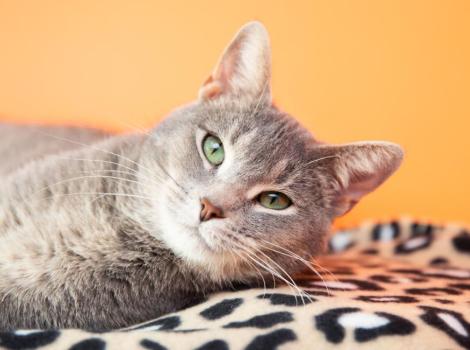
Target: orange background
349,70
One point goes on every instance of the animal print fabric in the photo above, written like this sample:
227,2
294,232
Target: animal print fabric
393,285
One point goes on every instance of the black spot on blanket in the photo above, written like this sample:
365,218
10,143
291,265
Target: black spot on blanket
286,299
386,232
413,244
331,325
464,286
189,330
395,280
443,301
461,242
263,321
363,285
439,261
418,229
316,292
29,340
346,284
161,324
89,344
451,274
272,340
387,299
370,251
396,326
450,322
221,309
327,323
407,271
383,278
371,265
214,345
433,291
151,345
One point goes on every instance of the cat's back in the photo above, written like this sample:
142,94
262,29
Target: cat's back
20,144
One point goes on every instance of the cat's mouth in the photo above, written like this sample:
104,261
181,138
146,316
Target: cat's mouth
210,238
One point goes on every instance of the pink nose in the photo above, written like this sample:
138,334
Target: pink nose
210,211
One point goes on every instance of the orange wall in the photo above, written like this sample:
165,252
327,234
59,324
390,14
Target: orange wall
349,70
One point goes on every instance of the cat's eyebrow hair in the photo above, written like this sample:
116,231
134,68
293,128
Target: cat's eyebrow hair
286,174
238,131
206,129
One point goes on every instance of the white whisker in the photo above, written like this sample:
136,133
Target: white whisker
300,291
120,156
257,260
291,254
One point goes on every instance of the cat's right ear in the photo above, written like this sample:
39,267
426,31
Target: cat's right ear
244,69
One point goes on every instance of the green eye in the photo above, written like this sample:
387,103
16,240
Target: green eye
213,149
274,200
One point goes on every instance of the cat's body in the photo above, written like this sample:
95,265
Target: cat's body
100,231
20,144
69,257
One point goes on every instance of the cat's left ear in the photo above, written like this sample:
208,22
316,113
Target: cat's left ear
244,69
356,169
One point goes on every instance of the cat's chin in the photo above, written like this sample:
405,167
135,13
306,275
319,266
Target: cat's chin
203,247
212,235
218,261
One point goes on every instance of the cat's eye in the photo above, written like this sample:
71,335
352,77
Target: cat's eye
274,200
213,149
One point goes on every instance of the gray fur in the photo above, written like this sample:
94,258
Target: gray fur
102,231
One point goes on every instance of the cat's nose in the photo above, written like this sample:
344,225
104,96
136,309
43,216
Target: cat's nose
210,211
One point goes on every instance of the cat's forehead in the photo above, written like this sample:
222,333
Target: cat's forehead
266,141
264,124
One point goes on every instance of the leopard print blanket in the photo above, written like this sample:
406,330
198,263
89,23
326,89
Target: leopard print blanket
399,284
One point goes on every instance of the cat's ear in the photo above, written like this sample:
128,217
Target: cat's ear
244,69
356,169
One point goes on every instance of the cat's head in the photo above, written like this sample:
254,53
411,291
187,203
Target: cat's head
243,185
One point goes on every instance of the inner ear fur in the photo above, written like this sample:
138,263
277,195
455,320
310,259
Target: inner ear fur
244,69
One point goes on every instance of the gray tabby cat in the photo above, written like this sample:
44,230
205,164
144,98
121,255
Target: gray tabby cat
103,231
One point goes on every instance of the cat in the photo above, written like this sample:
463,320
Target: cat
101,231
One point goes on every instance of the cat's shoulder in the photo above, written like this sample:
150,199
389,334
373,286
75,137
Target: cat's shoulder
31,142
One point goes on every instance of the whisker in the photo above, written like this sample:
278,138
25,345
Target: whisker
319,159
244,259
112,153
100,161
268,267
331,274
174,190
134,171
291,254
234,241
263,265
170,177
299,291
51,186
101,193
286,273
278,275
259,273
136,128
